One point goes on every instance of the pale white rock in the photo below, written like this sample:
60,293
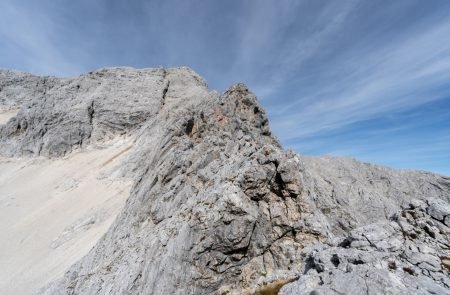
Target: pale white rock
217,205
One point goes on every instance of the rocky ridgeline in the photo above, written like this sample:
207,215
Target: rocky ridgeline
218,207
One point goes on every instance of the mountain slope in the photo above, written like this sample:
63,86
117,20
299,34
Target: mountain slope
217,205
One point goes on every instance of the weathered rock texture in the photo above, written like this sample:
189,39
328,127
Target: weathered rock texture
218,207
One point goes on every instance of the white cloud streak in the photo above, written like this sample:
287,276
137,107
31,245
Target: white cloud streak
404,74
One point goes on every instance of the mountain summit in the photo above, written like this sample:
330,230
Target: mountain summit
215,204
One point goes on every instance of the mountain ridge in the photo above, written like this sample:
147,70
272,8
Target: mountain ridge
217,205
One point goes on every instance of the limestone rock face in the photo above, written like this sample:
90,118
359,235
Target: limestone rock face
388,235
58,115
218,206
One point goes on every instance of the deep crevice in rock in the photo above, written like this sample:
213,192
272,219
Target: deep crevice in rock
164,93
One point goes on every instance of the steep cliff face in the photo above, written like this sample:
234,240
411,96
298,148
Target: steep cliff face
217,205
59,115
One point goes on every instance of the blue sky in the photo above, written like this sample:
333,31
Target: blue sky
367,79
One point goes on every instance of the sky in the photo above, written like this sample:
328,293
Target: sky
365,79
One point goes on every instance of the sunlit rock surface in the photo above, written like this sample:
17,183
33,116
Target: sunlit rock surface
217,206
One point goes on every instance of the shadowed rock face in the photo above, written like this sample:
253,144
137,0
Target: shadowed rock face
218,206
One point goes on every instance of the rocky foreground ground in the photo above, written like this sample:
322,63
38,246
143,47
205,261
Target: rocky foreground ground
217,206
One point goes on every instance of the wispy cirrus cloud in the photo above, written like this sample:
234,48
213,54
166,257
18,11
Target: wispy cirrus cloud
277,40
403,75
31,36
373,78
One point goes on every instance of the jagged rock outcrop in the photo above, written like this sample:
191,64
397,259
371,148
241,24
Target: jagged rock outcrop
218,207
388,238
59,115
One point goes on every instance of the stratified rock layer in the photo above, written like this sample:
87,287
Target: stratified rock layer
218,206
